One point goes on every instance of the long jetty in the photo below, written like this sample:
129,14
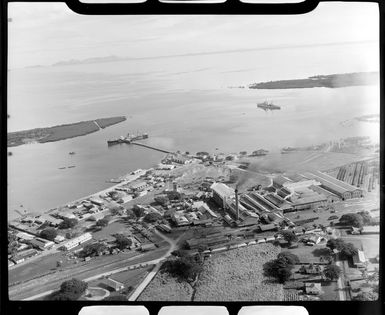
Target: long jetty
150,147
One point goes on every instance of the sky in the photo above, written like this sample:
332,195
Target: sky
45,33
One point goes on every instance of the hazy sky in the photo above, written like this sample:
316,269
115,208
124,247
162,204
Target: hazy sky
45,33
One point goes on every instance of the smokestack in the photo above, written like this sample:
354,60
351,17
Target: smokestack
236,202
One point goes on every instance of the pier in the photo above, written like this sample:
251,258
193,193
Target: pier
150,147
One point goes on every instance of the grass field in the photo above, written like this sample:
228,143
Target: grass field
237,275
166,288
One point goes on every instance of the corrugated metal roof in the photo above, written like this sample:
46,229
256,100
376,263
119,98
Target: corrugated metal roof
222,190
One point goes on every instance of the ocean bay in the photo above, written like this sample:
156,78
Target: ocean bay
183,106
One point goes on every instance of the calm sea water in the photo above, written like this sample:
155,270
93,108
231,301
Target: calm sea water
183,103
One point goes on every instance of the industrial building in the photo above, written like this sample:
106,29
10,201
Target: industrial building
337,187
41,243
76,241
221,193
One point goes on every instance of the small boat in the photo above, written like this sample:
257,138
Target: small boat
71,166
71,153
62,168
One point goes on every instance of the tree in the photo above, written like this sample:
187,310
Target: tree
289,236
94,249
332,272
279,269
123,241
272,217
138,211
130,214
291,259
174,195
352,219
184,268
118,297
74,287
366,217
348,250
49,234
102,222
152,217
62,296
162,200
336,243
68,223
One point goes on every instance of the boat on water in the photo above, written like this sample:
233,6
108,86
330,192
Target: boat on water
71,166
62,168
128,139
268,106
71,153
288,150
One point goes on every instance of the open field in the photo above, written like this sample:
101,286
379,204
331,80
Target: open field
166,288
237,275
60,132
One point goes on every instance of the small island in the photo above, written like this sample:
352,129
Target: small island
60,132
329,81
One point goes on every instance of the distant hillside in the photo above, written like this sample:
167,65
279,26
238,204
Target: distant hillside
329,81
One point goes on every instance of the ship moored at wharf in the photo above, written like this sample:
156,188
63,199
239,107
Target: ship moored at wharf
128,139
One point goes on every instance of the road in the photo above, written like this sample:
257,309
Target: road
341,282
152,274
88,275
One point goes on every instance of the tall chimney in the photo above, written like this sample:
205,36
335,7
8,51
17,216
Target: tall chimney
236,202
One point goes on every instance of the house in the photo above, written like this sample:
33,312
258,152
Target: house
45,218
23,255
146,247
166,166
313,288
41,243
66,215
359,259
24,236
59,239
113,284
140,186
267,227
97,201
10,263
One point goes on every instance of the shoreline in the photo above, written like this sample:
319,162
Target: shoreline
60,132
